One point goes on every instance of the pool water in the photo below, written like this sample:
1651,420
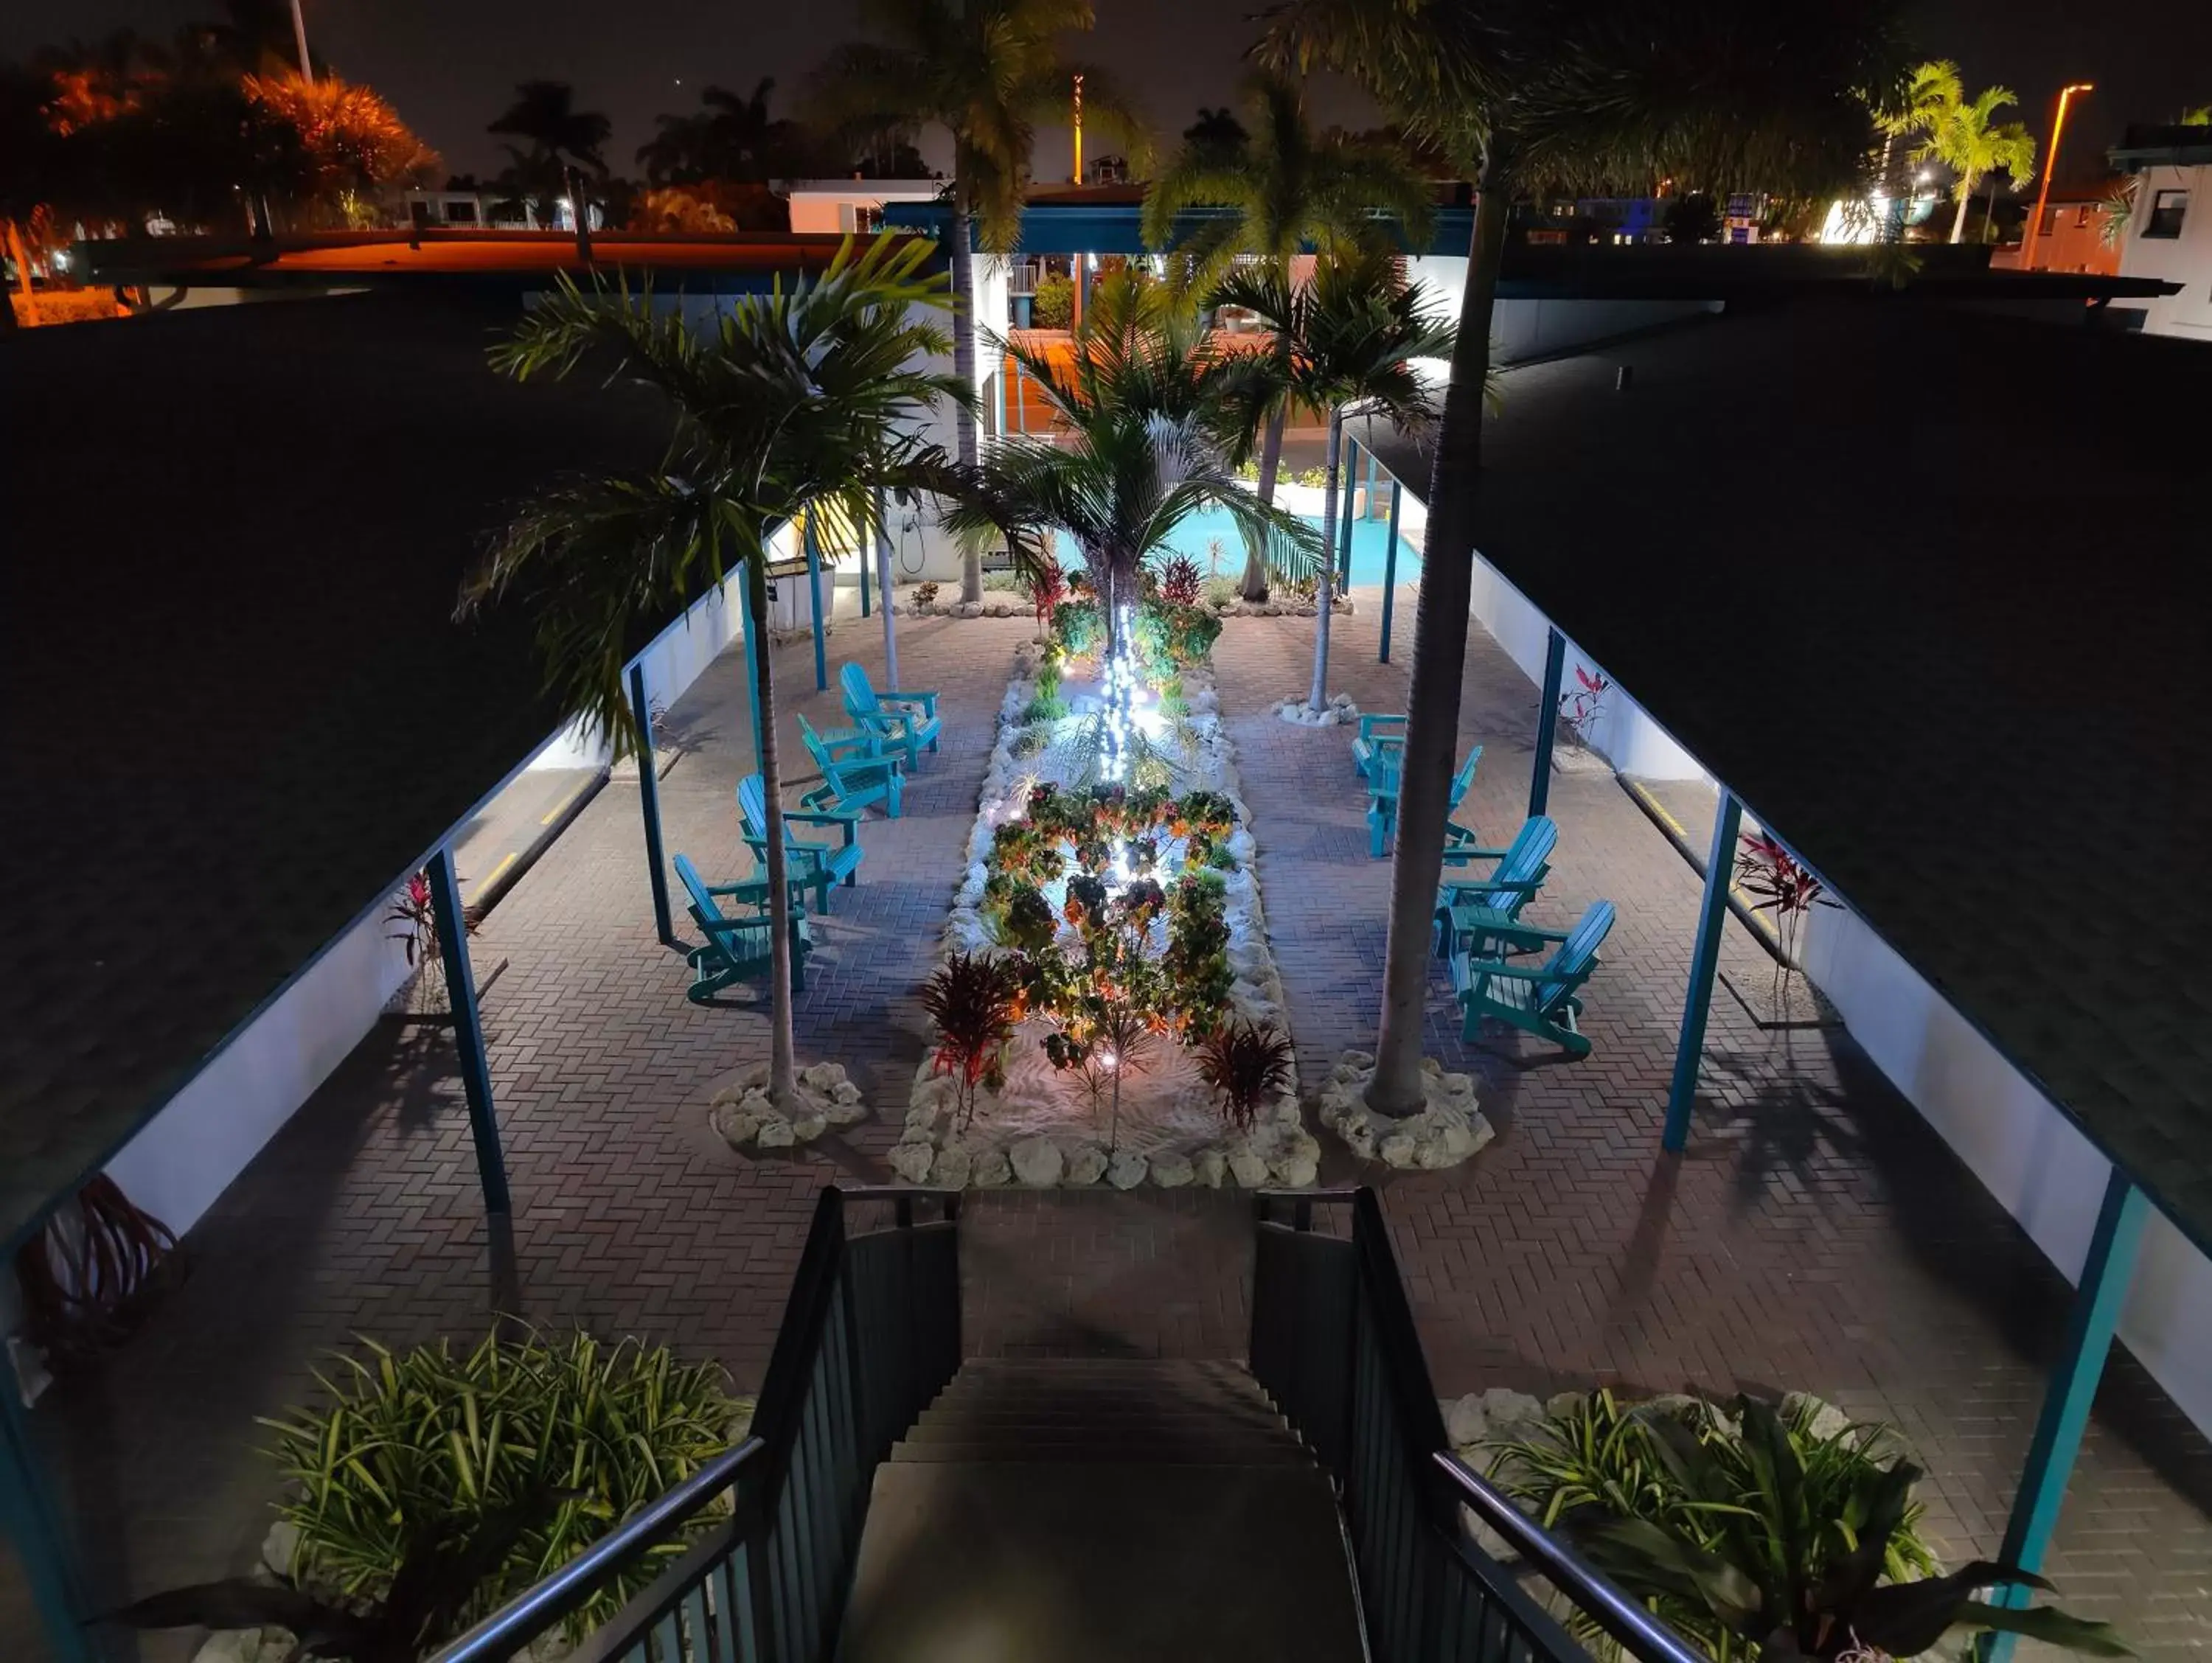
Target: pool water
1371,541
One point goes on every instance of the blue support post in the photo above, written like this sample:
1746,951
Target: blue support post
648,796
1390,569
1548,723
752,682
1344,514
814,600
1704,960
1370,481
2099,1298
861,539
468,1029
30,1517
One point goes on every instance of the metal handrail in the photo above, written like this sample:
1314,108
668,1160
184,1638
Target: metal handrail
1642,1633
522,1619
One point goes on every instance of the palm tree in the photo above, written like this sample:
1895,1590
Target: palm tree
1345,343
1150,415
1217,129
986,71
733,137
1711,92
562,140
803,400
1959,132
1286,190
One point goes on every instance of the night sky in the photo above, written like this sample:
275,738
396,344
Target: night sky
448,64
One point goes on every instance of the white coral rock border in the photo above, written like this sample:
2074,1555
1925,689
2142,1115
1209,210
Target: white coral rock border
1339,712
1278,1150
1448,1130
745,1117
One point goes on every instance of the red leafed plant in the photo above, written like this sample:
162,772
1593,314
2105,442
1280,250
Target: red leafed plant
1249,1063
1180,581
1047,587
975,1002
1780,883
413,909
1579,708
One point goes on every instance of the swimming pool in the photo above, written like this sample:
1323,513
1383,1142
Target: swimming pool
1371,540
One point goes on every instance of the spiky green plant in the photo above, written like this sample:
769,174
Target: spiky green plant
1249,1063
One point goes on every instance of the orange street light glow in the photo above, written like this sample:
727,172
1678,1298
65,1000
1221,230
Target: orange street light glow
2050,166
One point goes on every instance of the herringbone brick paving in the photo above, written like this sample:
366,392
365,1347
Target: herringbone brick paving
1817,1234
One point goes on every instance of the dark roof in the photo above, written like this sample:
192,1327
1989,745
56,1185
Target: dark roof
237,705
1809,541
2176,146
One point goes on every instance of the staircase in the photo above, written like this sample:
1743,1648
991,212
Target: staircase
1094,1510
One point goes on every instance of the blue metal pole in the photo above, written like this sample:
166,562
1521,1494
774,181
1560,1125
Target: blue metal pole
1548,723
2099,1298
1370,480
468,1029
862,551
30,1517
1390,569
753,649
1344,514
648,796
814,597
1704,960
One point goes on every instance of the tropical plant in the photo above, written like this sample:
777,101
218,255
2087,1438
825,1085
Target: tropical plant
559,141
809,396
1758,1533
1346,343
1582,704
974,1002
1053,306
1180,581
1249,1065
1150,413
924,596
1782,883
1217,131
731,137
431,1487
1285,189
2117,211
355,142
1960,133
1717,95
985,72
1046,584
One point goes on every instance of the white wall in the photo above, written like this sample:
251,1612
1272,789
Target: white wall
2010,1136
2186,259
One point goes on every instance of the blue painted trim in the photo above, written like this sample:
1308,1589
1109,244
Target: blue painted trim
1349,466
1704,960
1390,567
814,606
468,1030
1548,723
648,796
1072,227
44,1548
2098,1299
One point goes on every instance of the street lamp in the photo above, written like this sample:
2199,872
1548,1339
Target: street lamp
2050,166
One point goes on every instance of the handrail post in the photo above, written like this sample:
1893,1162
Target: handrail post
1704,960
1390,569
451,924
1548,723
648,792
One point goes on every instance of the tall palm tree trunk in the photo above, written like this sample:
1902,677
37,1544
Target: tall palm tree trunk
964,365
1440,625
782,1064
1325,590
1271,466
1965,195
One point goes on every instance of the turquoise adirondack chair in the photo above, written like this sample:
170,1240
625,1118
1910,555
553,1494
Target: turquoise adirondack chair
1543,999
1383,796
1378,737
1469,903
854,770
816,866
902,721
738,948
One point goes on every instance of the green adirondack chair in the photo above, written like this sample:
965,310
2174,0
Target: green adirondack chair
1383,795
1467,903
1543,999
854,770
1378,737
816,866
902,721
738,948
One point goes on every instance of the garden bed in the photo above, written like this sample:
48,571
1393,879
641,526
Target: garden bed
1155,1119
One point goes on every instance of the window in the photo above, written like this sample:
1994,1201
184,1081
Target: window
2167,209
2081,219
2049,222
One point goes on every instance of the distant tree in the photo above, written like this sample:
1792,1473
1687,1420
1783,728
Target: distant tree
355,142
732,137
893,158
1217,131
1959,132
1693,218
674,209
560,142
986,72
2197,116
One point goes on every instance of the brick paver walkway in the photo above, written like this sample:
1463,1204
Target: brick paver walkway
1817,1234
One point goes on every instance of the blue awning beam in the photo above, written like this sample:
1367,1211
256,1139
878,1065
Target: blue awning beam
1705,961
468,1028
814,606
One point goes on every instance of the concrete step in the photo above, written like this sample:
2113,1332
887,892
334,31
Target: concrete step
1086,1451
1175,1412
1101,1561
